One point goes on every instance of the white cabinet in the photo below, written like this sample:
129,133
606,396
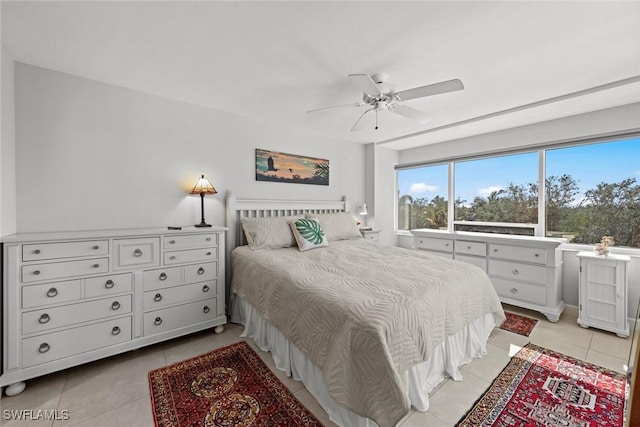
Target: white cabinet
603,292
70,298
371,235
525,271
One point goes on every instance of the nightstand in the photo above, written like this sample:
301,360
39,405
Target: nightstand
603,292
372,235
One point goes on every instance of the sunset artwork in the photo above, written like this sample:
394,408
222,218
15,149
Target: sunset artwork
281,167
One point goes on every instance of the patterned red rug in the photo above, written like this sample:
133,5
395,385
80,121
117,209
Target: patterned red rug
519,324
229,387
542,388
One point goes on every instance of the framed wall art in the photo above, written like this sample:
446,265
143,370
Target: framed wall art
282,167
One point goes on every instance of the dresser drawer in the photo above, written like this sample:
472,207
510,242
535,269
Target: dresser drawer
178,294
478,262
179,316
442,245
57,270
42,251
136,252
518,253
55,317
107,285
534,294
190,241
471,248
518,271
57,345
161,278
50,293
191,255
200,272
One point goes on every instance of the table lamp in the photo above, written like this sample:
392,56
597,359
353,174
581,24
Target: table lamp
202,187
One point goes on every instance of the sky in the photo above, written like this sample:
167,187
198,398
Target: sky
588,164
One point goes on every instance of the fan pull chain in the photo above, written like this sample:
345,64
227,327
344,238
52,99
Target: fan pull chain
376,128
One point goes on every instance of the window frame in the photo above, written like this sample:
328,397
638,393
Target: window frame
540,226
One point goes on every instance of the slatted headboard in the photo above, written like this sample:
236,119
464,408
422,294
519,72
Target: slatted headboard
258,208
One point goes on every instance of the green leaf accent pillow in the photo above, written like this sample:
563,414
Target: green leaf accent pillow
308,234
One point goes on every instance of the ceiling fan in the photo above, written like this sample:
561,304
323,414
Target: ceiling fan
382,96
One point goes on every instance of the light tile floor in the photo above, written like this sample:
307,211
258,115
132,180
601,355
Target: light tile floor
114,391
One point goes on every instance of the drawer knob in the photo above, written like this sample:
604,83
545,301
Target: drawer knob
95,248
536,255
95,265
37,251
172,257
52,292
468,247
172,242
157,297
208,239
44,318
158,321
515,271
109,284
205,288
44,347
115,330
446,244
137,253
514,291
115,305
201,270
206,309
420,241
208,253
36,272
495,250
163,276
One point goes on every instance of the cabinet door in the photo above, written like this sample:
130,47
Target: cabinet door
602,292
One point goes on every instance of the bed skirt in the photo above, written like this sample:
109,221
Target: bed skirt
448,357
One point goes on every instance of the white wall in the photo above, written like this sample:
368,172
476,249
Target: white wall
92,155
380,190
7,146
605,122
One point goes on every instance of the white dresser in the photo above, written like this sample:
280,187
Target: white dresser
603,292
525,271
70,298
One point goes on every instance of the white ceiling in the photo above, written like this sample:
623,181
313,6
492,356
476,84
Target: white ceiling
274,61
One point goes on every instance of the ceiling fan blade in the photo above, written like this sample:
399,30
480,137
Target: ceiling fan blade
366,83
360,123
428,90
352,105
411,113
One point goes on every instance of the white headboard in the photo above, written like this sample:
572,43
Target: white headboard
259,208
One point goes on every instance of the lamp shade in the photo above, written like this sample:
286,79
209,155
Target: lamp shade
203,186
363,209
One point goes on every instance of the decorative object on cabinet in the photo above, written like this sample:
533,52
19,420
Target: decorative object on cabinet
363,213
603,292
602,248
526,271
202,187
370,234
74,297
282,167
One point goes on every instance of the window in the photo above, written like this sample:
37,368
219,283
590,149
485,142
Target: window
422,197
591,190
497,190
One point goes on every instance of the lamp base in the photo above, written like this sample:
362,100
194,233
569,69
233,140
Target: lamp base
202,224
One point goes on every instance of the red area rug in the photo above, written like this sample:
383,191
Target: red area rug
519,324
229,387
542,388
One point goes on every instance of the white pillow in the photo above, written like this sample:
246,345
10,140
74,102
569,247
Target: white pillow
308,233
269,233
338,226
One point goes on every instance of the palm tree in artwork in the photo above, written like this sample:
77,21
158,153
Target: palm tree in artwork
321,170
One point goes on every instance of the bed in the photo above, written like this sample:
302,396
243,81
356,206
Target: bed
370,330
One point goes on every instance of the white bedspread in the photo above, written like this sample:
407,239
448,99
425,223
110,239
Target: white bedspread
364,314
